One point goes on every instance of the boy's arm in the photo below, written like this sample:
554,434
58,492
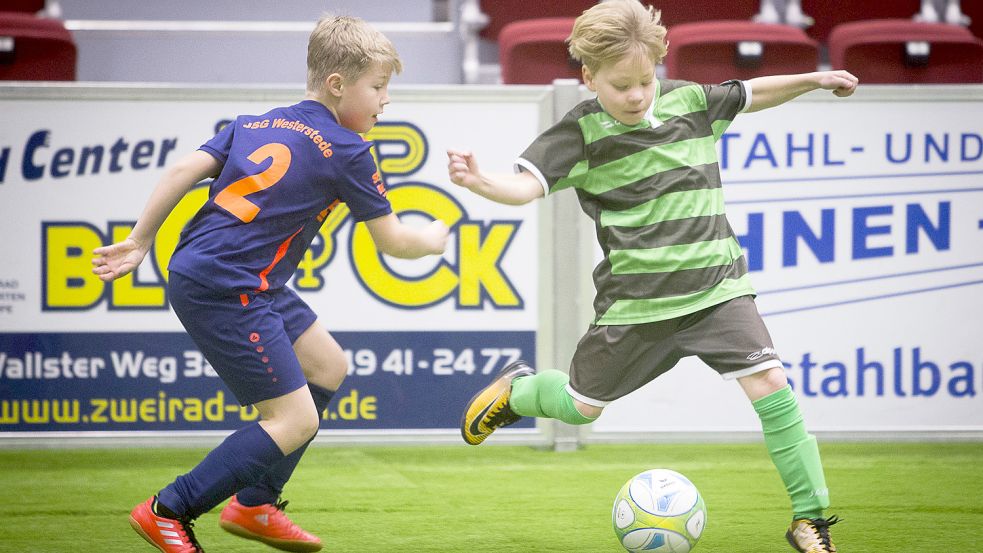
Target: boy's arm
516,189
392,237
118,259
771,91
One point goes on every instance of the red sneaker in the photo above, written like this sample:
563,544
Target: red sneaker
167,534
267,523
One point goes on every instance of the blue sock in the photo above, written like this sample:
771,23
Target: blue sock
240,460
269,488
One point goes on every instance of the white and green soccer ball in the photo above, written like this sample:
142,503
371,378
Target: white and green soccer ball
660,511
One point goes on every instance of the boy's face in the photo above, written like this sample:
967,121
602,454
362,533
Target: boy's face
625,87
363,99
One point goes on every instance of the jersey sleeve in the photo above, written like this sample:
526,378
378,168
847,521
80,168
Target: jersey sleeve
362,188
221,143
724,102
557,157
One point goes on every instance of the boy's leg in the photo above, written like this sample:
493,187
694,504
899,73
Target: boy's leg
545,395
325,367
256,512
270,486
610,361
732,338
489,409
241,459
794,452
515,393
244,457
796,456
244,340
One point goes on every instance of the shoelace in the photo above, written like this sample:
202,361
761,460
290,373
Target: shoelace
822,528
281,506
503,416
187,525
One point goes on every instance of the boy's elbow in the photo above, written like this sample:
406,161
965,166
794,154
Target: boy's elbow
388,247
397,248
527,193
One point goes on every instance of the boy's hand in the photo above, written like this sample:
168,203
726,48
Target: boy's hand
463,169
841,82
436,236
116,260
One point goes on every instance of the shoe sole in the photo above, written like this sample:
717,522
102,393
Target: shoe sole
139,530
509,372
283,545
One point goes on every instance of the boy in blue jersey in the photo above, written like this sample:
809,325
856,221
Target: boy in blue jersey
277,176
673,282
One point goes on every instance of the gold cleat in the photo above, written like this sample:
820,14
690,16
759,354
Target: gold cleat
811,535
489,409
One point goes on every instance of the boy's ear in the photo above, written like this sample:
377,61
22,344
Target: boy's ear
587,77
334,84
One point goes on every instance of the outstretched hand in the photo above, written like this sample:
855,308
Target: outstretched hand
463,169
841,82
116,260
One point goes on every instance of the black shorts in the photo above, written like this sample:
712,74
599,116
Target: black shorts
612,361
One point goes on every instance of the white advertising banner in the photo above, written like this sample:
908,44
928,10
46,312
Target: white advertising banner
76,167
862,223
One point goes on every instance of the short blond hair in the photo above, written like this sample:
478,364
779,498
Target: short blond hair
348,46
614,29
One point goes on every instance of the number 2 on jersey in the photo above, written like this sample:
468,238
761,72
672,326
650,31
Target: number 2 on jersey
233,197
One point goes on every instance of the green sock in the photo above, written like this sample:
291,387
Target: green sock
794,452
544,394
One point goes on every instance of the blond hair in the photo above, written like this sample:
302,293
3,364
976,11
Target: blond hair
347,46
611,30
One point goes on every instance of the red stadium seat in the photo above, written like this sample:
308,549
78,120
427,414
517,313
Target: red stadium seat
830,13
715,51
974,9
24,6
894,51
502,12
534,51
35,49
677,12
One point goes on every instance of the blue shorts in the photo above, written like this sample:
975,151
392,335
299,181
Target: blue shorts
248,339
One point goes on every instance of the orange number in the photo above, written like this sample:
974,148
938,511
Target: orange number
232,198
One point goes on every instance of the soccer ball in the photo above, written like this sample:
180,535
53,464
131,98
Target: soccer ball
659,510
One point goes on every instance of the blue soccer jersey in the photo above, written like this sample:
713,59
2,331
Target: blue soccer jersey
283,172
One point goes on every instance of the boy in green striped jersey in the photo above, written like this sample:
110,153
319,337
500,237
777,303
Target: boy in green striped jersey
642,159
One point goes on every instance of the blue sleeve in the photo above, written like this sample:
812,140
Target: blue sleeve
221,143
362,188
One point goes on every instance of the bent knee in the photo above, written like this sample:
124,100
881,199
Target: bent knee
309,424
587,410
763,383
295,430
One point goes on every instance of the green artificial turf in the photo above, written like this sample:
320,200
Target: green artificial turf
891,496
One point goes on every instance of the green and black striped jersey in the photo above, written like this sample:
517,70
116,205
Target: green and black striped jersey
654,193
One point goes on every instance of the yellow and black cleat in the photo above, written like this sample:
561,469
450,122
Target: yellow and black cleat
811,535
489,409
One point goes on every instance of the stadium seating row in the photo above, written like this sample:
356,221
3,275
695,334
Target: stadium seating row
711,40
882,50
34,48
